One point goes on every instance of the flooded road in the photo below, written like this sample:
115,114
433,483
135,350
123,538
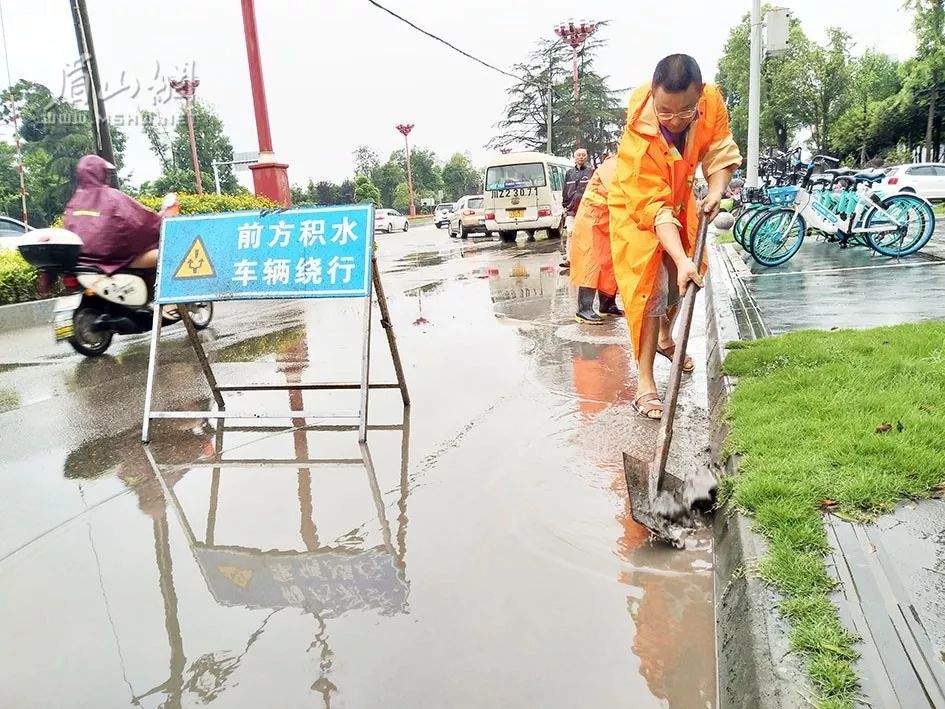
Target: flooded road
477,552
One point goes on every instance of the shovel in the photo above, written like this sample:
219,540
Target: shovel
652,505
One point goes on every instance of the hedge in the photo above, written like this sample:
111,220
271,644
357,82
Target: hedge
18,278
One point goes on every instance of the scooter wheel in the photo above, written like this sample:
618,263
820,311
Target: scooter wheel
200,314
86,340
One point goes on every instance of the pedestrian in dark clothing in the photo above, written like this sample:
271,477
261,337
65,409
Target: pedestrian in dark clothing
575,182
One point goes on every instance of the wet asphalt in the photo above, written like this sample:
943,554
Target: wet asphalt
478,552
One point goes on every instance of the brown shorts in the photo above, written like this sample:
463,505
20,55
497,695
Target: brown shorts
665,293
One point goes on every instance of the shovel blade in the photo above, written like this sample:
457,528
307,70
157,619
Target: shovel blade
660,513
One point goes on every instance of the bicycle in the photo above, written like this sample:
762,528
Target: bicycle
895,226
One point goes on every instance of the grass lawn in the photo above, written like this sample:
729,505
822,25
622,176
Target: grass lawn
725,237
852,420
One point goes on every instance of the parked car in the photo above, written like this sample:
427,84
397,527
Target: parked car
523,193
389,220
924,179
10,232
441,215
468,216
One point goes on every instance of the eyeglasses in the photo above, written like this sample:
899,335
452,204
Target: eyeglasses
685,115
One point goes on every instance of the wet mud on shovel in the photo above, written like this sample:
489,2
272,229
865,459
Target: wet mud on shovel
666,504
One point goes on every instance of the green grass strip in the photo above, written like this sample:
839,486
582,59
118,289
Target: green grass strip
853,419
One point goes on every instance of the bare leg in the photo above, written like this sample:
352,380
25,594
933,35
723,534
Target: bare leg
646,383
148,259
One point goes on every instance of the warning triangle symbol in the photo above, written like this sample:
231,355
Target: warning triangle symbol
196,263
238,576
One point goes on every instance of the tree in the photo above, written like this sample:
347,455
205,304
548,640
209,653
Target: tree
401,201
387,177
874,78
547,70
366,191
781,115
173,148
824,91
426,174
327,192
54,135
365,160
460,178
346,192
929,28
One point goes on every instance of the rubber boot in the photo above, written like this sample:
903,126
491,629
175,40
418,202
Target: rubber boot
608,305
585,312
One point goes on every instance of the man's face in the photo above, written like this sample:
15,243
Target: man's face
673,104
580,157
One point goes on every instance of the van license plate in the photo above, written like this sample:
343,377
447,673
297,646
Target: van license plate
516,213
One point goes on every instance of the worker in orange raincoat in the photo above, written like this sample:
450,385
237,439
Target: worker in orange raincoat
592,267
674,124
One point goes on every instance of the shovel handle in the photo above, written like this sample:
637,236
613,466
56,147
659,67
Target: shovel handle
665,435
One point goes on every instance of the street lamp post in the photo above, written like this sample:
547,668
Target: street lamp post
754,96
186,89
404,129
270,178
575,35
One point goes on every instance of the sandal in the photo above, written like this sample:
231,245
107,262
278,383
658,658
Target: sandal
649,404
668,352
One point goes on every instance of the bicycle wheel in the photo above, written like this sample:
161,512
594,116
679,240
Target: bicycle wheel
742,227
916,223
777,236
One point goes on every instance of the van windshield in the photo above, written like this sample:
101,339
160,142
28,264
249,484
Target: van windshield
507,177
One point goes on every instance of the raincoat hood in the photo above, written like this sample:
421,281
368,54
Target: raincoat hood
92,171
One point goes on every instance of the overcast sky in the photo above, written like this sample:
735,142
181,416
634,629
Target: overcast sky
341,73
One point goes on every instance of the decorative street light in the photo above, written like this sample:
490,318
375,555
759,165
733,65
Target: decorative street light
186,89
575,35
404,129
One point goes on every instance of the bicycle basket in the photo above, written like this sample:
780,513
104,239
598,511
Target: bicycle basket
782,196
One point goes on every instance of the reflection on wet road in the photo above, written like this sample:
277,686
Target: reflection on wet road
479,551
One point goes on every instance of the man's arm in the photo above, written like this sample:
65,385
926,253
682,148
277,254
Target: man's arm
720,162
566,192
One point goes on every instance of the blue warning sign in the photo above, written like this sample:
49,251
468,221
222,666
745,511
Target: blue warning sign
318,252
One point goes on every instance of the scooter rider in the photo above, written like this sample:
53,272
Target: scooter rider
117,231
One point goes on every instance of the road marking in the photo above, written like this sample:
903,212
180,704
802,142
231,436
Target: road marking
841,270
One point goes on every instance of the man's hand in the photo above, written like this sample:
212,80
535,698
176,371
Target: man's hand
710,205
686,271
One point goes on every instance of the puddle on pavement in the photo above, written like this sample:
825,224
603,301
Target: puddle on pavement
479,553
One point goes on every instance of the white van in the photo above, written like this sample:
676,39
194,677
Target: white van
523,192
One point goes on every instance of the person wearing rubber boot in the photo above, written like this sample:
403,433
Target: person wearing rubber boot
575,182
592,267
674,124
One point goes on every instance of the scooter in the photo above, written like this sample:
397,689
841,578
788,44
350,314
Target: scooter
97,306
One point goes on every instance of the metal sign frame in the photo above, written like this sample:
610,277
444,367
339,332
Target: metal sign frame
375,289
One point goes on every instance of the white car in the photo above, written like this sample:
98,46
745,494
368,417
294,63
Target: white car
11,230
925,179
441,215
389,220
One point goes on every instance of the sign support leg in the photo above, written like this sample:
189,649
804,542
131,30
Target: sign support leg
201,356
389,330
152,365
365,370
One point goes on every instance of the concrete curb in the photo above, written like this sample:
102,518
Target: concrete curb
24,315
756,669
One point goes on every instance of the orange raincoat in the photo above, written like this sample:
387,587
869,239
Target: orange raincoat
653,185
591,263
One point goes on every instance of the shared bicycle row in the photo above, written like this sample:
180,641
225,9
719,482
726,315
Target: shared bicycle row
839,205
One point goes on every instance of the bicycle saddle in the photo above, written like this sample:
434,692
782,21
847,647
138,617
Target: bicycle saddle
869,176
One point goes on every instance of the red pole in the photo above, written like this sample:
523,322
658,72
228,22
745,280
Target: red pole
256,77
193,144
413,208
270,178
